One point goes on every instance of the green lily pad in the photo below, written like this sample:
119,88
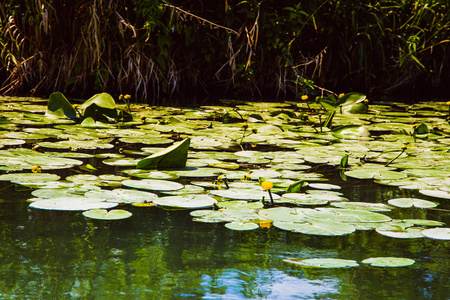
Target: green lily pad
164,175
388,261
375,174
72,204
241,226
347,215
29,177
122,195
186,201
241,194
102,214
324,186
363,206
121,162
187,189
436,193
240,205
153,184
437,233
325,263
317,227
411,202
408,233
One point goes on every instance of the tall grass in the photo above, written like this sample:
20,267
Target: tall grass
154,50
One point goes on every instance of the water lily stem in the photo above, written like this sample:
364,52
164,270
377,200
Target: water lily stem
403,150
271,198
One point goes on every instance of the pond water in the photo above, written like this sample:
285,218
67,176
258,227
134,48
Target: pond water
161,253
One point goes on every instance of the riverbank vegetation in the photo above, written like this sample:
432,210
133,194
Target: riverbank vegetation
156,50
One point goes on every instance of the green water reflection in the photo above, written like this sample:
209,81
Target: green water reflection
159,254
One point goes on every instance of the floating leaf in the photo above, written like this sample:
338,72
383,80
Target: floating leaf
437,233
411,202
388,261
241,226
247,194
400,233
317,227
362,206
102,214
326,263
153,185
72,204
122,195
186,201
436,193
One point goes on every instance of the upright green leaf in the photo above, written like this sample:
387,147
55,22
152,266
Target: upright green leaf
59,106
172,157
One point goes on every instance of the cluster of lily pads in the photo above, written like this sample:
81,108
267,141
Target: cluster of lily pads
99,156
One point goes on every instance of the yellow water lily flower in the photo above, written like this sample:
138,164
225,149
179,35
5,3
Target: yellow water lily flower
36,169
304,97
267,185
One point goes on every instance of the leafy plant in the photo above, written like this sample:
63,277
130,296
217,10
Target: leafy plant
100,107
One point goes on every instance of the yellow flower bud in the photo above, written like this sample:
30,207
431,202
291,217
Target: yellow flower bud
404,147
255,130
245,125
448,103
246,177
304,97
340,95
126,97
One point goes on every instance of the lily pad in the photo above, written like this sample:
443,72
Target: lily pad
153,184
72,204
186,201
388,261
436,193
103,214
325,263
411,202
317,227
247,194
122,195
408,233
437,233
241,226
